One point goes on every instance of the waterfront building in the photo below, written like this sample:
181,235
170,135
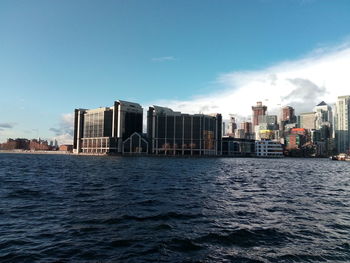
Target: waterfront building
268,148
237,147
66,148
136,144
103,130
175,133
294,141
342,124
258,110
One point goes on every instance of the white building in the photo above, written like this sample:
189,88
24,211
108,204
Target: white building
342,124
323,115
268,148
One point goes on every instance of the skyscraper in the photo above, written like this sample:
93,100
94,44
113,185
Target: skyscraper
307,120
342,124
247,130
323,115
232,126
288,114
258,110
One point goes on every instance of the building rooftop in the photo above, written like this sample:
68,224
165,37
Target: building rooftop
322,103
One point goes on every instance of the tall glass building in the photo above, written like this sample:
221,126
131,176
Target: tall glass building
342,124
174,133
102,130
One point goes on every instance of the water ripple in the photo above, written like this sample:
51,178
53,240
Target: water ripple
93,209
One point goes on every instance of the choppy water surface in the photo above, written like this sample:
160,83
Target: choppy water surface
112,209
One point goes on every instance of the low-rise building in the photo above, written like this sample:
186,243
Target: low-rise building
66,148
268,148
237,147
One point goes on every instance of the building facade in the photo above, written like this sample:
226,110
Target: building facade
102,130
342,124
236,147
268,148
288,114
308,120
323,115
258,110
174,133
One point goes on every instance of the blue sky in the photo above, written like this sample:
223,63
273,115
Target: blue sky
59,55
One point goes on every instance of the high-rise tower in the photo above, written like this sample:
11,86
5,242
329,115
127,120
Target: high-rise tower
342,124
288,114
258,110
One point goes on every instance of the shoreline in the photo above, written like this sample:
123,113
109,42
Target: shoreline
148,155
36,152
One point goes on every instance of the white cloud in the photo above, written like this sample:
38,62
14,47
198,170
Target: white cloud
321,75
64,132
162,59
64,139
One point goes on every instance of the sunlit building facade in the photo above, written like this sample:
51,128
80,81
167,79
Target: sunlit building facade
102,130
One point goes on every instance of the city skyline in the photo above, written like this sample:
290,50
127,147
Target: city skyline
132,51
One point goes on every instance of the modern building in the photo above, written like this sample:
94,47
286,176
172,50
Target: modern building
342,124
240,134
308,120
103,130
136,144
247,130
288,114
258,110
236,147
247,127
174,133
268,122
268,148
232,126
323,115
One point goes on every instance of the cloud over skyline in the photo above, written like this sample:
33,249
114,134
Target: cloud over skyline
301,83
64,131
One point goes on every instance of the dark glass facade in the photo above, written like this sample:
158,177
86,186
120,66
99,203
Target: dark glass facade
133,123
183,134
238,147
136,144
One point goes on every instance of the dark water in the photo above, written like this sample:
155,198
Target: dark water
104,209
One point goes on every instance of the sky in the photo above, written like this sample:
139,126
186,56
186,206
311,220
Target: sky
193,56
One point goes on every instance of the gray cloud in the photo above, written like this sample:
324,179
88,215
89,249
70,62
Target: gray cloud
65,125
7,125
56,131
305,96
